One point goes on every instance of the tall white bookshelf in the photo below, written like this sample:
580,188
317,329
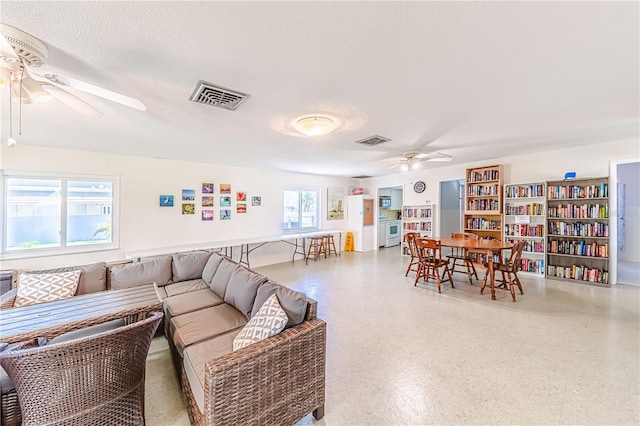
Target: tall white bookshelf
417,218
524,219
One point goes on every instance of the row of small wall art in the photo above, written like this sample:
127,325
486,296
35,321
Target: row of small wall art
208,201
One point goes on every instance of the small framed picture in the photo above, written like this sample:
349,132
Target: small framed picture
207,215
166,201
241,208
207,201
188,208
188,195
225,214
207,188
256,201
241,196
225,201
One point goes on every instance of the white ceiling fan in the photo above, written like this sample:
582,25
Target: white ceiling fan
21,52
412,159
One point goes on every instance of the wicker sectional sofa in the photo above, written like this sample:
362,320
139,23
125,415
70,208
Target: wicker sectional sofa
207,300
278,380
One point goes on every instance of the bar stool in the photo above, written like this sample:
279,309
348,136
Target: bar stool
329,245
316,248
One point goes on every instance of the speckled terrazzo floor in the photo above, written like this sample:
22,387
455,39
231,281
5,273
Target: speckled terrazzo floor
402,355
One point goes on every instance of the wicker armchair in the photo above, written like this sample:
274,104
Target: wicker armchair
95,380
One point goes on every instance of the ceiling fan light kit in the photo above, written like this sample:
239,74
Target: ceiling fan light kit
20,52
315,125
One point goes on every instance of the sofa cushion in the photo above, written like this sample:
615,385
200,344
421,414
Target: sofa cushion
40,288
268,321
93,276
157,269
211,267
204,324
189,266
189,302
196,357
175,289
222,275
242,289
293,302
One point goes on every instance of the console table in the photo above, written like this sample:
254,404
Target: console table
54,318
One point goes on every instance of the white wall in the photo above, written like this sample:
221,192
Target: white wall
145,225
629,175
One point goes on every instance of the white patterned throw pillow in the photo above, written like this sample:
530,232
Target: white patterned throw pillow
268,321
39,288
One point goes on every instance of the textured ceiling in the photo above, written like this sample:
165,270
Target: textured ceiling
473,80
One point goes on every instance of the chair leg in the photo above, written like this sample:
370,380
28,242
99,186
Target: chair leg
318,413
513,293
418,272
518,282
409,267
469,273
437,275
474,269
484,281
448,272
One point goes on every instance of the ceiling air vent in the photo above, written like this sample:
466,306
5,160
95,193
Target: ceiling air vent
210,94
373,140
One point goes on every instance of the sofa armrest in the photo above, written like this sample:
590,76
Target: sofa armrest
277,380
312,310
7,299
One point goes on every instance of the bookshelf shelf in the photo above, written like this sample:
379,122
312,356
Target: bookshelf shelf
417,218
577,228
483,201
524,219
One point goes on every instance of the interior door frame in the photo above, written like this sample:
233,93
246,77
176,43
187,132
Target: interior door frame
613,216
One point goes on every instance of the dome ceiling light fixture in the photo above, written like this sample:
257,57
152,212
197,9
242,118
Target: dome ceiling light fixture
315,125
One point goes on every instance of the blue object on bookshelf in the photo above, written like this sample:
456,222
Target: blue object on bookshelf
570,175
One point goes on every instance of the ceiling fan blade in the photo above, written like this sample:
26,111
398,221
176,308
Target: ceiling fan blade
97,91
8,55
72,101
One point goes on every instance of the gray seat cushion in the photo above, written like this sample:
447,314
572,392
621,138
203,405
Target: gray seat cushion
194,327
293,302
153,270
221,277
89,331
189,302
242,289
175,289
211,267
189,265
196,356
93,276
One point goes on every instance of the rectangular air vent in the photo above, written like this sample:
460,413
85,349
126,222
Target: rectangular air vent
210,94
373,140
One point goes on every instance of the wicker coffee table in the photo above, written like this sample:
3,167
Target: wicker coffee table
54,318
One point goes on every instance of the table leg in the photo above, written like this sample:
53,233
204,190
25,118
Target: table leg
491,274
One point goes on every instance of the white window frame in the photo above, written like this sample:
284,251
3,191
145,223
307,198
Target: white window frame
63,249
317,227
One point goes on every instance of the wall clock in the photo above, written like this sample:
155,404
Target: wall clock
419,186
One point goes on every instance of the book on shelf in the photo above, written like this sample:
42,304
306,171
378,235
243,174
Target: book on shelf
526,191
572,191
578,229
579,272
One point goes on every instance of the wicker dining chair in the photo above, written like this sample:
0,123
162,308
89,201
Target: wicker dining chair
410,239
509,268
94,380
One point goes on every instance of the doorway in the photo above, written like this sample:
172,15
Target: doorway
389,202
451,206
625,222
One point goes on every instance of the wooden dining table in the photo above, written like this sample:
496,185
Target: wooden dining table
487,247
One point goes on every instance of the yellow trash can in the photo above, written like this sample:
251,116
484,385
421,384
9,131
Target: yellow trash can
348,243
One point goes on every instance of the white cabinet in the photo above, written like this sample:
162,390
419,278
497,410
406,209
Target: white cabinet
382,233
396,199
360,211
